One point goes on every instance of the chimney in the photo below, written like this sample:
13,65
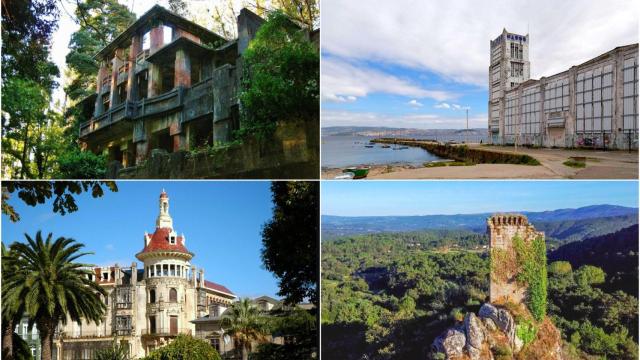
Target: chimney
193,276
134,274
201,277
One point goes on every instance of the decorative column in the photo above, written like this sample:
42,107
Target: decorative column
155,75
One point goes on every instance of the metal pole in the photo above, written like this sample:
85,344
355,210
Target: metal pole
467,132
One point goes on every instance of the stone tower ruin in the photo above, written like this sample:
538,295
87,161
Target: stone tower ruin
502,228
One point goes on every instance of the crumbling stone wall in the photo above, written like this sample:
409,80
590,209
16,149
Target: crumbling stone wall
502,229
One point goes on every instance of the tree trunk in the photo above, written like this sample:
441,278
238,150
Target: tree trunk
245,353
7,339
46,339
23,160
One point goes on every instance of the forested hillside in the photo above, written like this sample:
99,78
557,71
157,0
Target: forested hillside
387,296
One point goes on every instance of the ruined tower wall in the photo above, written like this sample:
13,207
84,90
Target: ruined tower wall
502,229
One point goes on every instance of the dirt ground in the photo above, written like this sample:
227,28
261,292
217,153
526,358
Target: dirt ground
599,165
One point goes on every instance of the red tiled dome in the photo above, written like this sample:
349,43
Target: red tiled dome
160,242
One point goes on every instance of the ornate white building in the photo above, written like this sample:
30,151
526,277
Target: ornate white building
148,307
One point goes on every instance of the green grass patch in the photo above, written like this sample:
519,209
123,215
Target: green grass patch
446,163
574,164
526,331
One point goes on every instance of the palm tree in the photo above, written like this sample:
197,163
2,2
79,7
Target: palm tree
11,315
246,325
51,285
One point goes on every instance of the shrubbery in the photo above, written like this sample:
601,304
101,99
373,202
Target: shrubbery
185,347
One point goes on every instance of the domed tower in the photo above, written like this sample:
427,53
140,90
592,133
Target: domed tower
170,281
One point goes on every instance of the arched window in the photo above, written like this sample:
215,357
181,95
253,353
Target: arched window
173,295
152,296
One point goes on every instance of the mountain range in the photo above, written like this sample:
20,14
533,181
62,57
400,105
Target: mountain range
564,225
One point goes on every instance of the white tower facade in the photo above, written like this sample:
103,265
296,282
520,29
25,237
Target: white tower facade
509,66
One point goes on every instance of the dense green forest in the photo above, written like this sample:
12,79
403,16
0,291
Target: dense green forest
389,295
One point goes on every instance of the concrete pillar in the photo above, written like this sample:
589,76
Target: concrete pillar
182,69
570,122
618,103
134,49
193,276
116,62
201,277
102,73
155,75
142,147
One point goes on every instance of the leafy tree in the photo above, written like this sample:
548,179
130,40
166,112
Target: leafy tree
560,267
303,11
62,192
11,315
24,119
185,347
589,275
298,324
290,240
281,77
77,164
51,285
245,325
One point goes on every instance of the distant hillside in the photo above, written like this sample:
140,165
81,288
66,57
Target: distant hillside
401,132
615,253
562,224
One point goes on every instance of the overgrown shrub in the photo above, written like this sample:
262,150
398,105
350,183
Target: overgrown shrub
185,347
78,164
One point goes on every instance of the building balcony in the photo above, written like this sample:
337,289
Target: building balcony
163,332
82,334
197,101
123,305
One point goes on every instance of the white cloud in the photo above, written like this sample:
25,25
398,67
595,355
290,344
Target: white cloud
417,121
341,79
415,103
452,38
442,106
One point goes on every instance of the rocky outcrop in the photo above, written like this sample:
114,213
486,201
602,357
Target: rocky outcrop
493,328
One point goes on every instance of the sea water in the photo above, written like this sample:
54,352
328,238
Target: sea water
344,151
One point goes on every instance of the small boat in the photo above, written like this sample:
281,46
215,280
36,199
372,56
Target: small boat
368,146
359,172
401,148
386,146
345,176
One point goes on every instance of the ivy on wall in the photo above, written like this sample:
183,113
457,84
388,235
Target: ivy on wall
532,261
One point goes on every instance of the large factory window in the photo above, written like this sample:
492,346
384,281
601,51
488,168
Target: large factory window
630,94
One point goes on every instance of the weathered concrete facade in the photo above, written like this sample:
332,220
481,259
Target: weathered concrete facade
166,83
147,307
594,104
502,229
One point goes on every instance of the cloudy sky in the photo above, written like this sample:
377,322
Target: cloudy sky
419,64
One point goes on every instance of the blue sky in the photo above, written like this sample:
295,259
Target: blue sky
220,220
372,198
417,64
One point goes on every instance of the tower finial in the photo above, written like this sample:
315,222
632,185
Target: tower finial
164,219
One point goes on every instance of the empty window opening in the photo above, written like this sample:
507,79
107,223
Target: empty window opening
122,93
142,80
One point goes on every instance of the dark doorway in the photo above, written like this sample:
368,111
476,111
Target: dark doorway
142,80
161,140
152,324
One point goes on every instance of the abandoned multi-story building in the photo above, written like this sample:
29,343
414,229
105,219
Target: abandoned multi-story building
594,104
502,229
147,307
165,83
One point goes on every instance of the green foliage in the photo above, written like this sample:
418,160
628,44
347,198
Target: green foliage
185,347
300,325
33,193
560,267
77,164
49,286
526,331
280,79
290,240
574,164
246,325
21,350
589,275
532,260
117,351
502,352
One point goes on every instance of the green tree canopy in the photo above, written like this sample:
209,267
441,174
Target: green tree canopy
290,240
185,347
281,72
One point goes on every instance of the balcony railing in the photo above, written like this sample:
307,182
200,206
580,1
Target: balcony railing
124,332
142,56
115,114
82,334
165,332
123,305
